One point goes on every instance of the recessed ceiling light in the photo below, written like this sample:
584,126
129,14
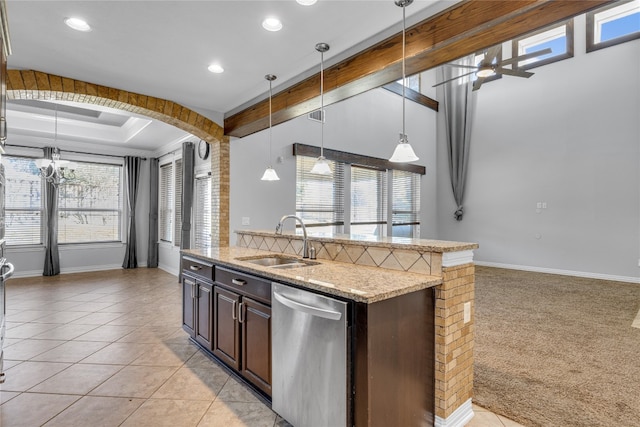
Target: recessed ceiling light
272,24
215,68
306,2
77,24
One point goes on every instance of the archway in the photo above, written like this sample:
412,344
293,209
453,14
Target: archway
30,84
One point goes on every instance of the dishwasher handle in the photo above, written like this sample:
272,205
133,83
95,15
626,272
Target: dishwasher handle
308,309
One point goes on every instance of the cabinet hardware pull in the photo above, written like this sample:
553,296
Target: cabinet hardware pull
240,311
233,310
238,282
195,268
193,285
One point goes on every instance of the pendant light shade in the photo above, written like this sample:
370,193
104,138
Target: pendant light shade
270,173
404,152
321,167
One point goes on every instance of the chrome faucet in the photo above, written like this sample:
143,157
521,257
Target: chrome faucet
305,245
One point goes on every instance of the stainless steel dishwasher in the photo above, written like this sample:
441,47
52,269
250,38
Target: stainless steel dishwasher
309,357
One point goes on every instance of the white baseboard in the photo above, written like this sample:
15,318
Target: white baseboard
459,418
67,270
560,272
168,269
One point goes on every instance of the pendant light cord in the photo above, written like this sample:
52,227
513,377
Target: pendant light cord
404,78
270,129
321,104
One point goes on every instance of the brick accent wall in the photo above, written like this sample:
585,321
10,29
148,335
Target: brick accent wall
454,339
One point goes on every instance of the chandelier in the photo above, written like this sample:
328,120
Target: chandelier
55,170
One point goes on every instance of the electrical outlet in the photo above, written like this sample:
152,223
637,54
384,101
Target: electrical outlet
246,220
467,312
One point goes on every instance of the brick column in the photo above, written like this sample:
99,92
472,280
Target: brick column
220,193
454,344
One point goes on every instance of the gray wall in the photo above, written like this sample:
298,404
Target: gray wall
367,124
569,136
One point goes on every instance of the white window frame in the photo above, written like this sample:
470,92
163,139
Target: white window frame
122,208
612,12
29,152
169,159
521,44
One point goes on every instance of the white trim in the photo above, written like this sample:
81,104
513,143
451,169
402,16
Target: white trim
452,259
67,270
168,269
458,418
636,321
561,272
64,247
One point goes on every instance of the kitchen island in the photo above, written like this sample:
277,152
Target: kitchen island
397,331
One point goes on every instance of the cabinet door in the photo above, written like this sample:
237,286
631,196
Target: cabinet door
188,304
255,319
204,319
226,329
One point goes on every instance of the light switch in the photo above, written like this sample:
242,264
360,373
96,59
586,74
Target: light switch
539,205
467,312
246,220
544,205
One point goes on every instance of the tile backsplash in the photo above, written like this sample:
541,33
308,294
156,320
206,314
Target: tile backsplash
411,260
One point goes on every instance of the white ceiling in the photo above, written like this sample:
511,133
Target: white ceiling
163,48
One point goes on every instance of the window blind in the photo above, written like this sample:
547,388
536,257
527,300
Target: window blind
23,201
177,232
368,201
166,202
202,213
320,198
90,205
406,204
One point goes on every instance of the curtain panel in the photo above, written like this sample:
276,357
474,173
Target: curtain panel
131,180
152,255
51,254
458,104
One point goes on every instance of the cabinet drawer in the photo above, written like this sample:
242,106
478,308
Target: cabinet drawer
244,284
198,268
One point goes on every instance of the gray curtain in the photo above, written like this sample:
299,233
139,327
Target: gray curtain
458,103
152,256
51,255
188,163
131,178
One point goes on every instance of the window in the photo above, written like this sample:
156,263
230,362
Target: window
374,193
613,24
406,204
412,82
202,212
558,38
368,201
23,201
166,202
320,198
170,202
177,232
89,206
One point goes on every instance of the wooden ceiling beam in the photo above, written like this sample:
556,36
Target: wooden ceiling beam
464,28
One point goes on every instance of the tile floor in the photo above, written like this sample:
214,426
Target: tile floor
107,349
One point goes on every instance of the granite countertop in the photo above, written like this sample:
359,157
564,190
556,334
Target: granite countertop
427,245
355,282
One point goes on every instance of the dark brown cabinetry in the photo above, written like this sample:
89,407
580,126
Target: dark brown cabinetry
229,314
242,327
197,300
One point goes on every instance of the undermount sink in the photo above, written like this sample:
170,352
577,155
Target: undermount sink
275,261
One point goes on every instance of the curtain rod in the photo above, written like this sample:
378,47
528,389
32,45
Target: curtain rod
71,151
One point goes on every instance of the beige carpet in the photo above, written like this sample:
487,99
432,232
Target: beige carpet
556,350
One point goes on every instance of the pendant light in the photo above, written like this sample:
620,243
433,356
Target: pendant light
270,173
403,152
321,167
